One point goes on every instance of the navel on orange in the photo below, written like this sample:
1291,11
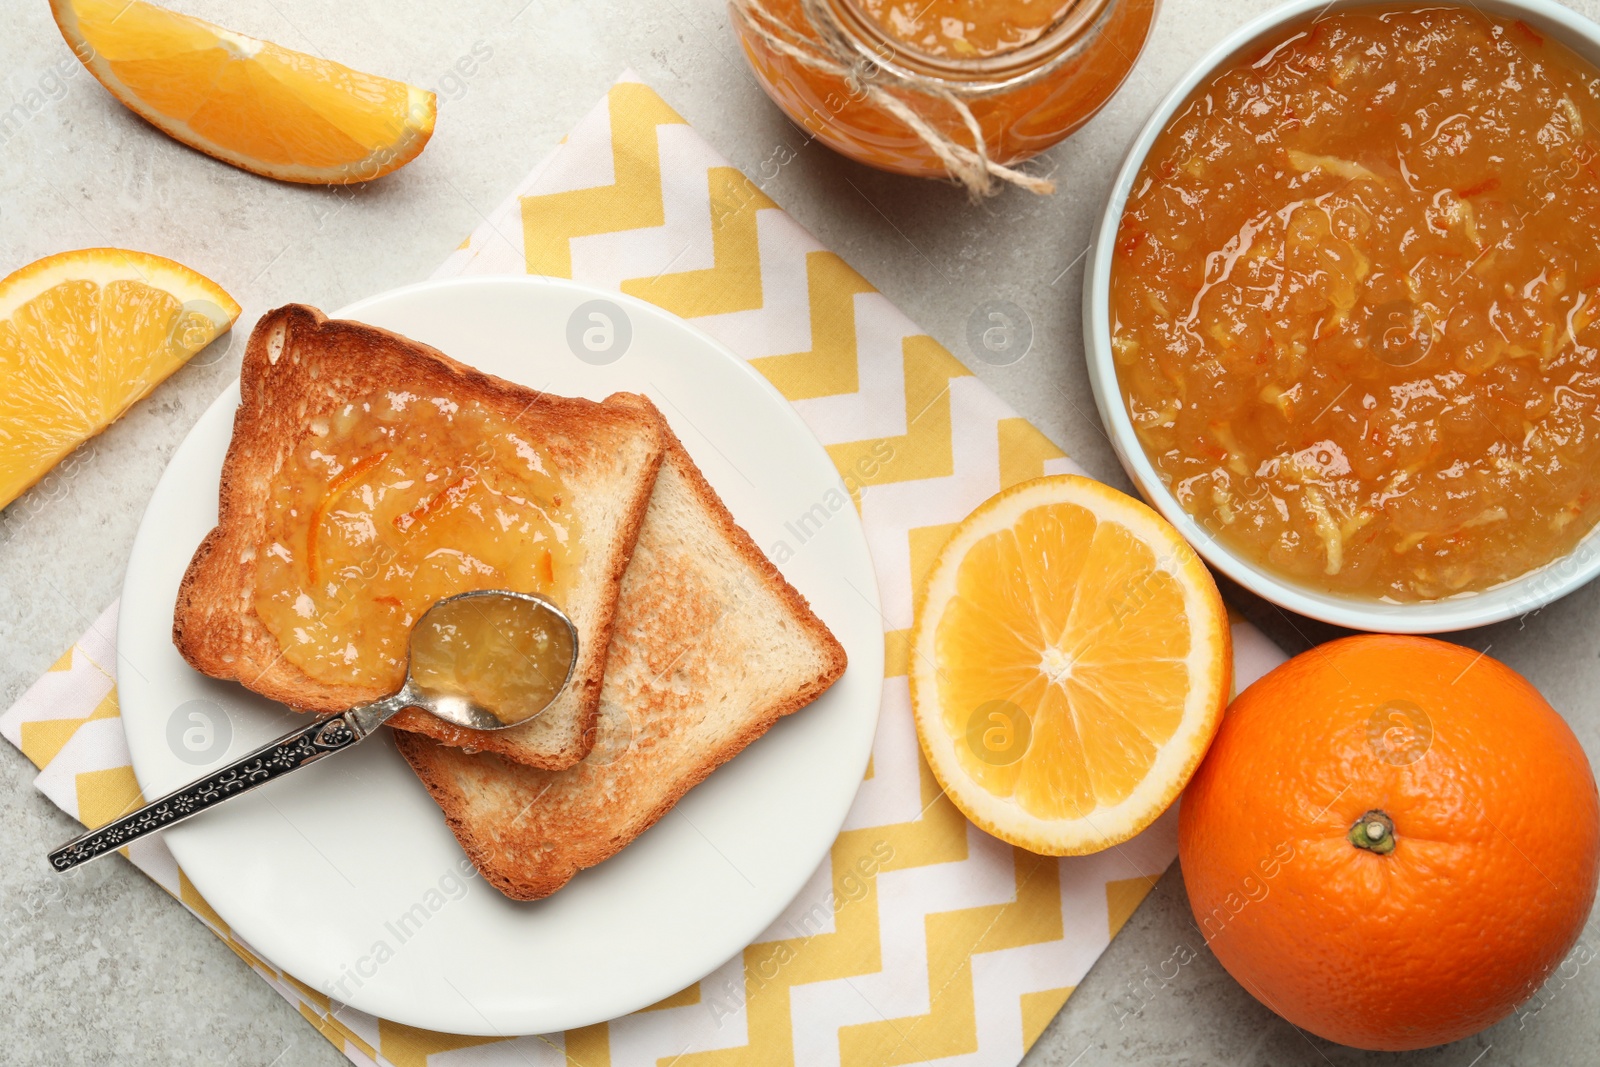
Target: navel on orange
1393,841
1070,661
85,334
254,104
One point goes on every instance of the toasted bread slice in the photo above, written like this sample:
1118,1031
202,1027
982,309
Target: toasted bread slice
298,368
711,648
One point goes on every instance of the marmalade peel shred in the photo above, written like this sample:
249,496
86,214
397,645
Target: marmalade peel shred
392,504
1354,300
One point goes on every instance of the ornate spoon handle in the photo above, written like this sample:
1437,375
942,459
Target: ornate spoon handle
273,760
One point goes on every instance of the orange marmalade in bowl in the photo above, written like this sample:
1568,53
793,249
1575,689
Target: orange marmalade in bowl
392,504
1354,302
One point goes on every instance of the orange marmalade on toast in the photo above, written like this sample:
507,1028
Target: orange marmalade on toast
390,504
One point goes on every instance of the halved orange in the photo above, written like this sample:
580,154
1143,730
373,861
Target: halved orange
1071,658
83,335
254,104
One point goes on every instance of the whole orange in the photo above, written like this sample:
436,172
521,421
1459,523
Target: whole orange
1392,841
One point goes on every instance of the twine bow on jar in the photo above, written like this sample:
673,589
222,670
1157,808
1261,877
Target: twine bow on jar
830,50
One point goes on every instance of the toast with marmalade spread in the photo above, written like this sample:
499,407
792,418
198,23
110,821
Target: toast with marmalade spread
368,473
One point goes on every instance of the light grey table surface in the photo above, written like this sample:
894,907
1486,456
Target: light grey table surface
115,972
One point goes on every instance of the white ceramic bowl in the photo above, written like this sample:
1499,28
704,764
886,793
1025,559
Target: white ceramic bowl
1518,597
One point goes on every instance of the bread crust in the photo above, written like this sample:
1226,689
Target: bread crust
298,366
537,830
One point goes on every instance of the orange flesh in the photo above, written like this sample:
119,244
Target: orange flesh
1069,619
398,502
1354,300
1017,123
74,358
966,28
254,103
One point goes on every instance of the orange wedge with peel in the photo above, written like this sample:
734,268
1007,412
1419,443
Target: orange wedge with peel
83,335
1070,661
252,103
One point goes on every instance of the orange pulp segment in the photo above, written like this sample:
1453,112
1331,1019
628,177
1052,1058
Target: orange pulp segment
85,334
1071,659
251,103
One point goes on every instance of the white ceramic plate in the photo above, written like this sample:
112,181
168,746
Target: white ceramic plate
345,874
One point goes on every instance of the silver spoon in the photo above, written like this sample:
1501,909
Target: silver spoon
487,660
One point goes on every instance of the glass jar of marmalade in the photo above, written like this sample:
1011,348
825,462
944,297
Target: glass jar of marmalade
1026,72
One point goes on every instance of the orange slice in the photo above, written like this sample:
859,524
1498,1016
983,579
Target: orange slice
1070,662
83,335
251,103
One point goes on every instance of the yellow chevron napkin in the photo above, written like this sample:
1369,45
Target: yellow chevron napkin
920,938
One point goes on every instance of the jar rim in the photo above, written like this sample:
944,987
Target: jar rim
1002,70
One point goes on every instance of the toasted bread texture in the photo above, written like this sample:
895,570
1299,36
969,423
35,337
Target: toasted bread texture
299,367
712,646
